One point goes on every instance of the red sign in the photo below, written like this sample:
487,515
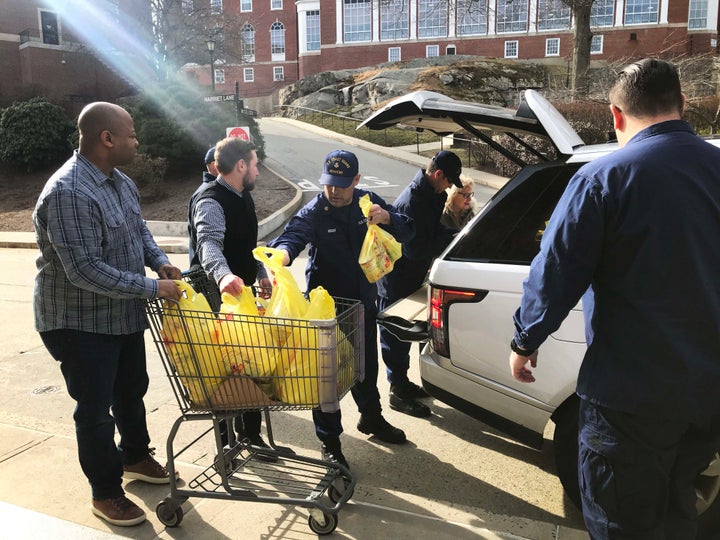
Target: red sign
240,132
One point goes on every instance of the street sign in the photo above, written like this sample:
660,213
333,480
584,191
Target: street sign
240,132
226,97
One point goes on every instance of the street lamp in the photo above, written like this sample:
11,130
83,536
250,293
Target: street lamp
211,49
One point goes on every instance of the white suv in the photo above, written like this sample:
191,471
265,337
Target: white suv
476,284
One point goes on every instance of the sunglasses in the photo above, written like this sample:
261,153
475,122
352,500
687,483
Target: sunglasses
467,195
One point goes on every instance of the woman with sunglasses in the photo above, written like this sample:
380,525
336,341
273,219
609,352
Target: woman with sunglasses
460,206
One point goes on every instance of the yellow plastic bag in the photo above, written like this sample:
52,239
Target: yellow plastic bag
248,344
287,300
191,342
380,250
298,362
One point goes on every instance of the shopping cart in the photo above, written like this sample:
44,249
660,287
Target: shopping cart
283,364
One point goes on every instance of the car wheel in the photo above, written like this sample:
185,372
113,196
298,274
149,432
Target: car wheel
565,444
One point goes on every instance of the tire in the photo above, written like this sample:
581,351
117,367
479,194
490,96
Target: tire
565,444
168,516
331,522
337,489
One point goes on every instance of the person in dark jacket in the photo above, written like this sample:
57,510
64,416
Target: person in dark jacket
209,175
424,201
334,227
639,226
223,233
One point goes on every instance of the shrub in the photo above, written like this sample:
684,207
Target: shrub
34,134
148,174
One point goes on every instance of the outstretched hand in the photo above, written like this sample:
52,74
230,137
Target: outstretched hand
518,367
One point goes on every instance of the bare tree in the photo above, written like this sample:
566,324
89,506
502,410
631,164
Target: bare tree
181,29
582,39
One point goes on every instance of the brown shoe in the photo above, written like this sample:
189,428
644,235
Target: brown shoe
118,511
148,470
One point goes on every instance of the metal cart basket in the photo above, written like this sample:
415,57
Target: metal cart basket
222,364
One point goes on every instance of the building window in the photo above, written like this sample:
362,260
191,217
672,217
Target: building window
394,54
276,4
432,18
278,73
50,29
512,16
553,15
357,20
216,6
187,7
602,13
450,50
511,49
431,51
245,5
248,74
596,45
277,41
471,17
248,43
394,19
697,17
641,11
312,24
219,76
552,47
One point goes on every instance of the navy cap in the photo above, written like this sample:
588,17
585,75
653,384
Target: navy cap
210,156
341,168
451,165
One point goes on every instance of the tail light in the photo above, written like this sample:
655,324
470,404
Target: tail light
440,302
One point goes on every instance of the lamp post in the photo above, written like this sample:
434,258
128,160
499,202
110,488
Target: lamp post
211,49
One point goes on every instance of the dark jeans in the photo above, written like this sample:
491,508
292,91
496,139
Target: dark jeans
395,353
246,424
637,473
365,392
103,373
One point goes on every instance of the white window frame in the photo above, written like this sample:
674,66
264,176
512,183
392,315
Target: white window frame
432,18
472,18
518,15
312,30
394,20
219,76
511,45
245,6
552,46
277,41
278,73
276,4
553,15
248,45
357,21
432,51
641,14
394,54
187,7
216,7
602,13
248,74
596,44
698,14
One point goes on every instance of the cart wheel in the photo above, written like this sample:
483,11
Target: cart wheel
229,464
331,522
167,516
337,489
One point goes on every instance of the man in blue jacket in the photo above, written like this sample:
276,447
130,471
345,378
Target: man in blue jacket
424,201
641,226
334,227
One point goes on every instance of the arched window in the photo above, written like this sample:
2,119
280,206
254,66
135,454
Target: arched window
277,40
248,43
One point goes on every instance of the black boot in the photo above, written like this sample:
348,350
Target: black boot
404,398
375,424
331,451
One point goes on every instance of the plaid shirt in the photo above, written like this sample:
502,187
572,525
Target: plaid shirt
94,247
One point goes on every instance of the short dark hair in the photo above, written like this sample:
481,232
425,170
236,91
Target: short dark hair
647,88
231,150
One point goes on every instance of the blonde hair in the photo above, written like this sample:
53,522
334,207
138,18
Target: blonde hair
454,191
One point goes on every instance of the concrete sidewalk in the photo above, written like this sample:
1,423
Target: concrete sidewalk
402,493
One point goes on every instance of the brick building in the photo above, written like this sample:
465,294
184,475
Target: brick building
322,35
72,53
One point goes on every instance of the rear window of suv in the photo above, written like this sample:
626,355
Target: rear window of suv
511,226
